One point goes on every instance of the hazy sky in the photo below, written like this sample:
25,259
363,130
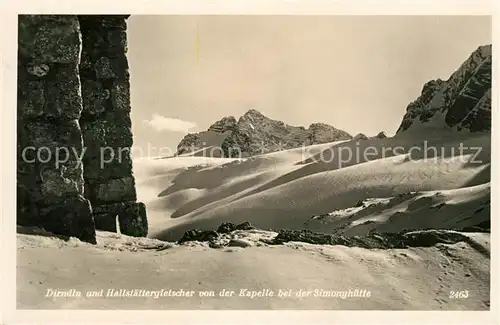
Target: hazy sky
357,73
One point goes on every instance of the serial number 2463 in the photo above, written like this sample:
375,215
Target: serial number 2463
459,294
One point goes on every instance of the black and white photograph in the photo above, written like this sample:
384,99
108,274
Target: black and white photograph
253,162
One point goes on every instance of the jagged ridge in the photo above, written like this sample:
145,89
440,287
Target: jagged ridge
254,133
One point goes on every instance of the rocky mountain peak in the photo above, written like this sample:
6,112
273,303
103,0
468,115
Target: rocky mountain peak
253,116
254,133
253,113
463,101
484,51
320,126
225,124
360,136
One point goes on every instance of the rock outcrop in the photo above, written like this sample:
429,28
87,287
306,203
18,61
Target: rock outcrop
230,235
360,136
462,102
403,239
211,235
225,124
254,134
73,115
381,135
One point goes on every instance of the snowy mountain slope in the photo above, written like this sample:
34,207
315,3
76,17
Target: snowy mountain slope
285,189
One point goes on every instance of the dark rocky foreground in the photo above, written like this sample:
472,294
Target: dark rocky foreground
404,239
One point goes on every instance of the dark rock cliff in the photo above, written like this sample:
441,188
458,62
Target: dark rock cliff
462,102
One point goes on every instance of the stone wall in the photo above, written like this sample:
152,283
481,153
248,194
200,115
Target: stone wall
74,129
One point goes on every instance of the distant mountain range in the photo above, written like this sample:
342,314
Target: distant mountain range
253,134
461,103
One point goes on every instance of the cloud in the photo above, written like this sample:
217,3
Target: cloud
161,123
